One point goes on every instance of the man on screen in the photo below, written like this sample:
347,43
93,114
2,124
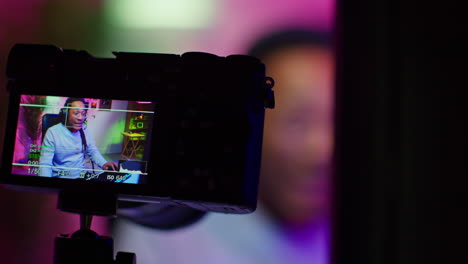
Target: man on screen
67,144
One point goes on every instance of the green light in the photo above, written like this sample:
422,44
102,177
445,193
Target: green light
147,14
52,100
113,138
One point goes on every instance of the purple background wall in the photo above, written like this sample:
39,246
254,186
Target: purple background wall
29,221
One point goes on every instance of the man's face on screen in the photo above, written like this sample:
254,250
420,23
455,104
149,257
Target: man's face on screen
76,116
298,136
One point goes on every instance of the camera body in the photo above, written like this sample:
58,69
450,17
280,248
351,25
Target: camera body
189,127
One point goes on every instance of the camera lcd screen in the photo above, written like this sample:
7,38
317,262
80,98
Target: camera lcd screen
83,138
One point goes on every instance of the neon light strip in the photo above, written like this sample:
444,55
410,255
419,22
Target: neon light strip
65,168
103,109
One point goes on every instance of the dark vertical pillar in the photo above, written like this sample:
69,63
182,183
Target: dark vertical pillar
401,133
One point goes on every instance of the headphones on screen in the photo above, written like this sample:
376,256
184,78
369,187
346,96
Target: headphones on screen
64,111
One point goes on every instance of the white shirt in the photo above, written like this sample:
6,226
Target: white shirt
225,239
63,152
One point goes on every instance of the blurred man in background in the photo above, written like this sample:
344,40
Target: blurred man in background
292,222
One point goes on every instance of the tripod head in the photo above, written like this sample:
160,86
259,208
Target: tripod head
85,245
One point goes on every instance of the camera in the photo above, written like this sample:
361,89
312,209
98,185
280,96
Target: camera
183,130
